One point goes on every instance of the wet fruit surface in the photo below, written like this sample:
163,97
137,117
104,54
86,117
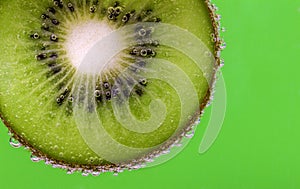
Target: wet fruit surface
97,83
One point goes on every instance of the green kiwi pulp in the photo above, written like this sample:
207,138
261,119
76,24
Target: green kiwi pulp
101,85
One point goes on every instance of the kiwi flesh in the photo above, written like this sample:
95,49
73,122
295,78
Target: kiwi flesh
101,85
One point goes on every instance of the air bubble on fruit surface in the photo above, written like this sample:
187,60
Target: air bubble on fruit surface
149,160
35,158
218,17
70,171
14,142
177,144
223,45
222,62
190,134
214,7
95,173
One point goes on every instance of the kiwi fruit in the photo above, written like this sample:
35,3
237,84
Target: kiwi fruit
105,85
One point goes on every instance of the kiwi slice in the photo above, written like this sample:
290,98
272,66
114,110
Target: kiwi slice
102,85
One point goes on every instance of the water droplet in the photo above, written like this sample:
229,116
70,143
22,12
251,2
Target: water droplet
14,143
35,158
95,173
178,145
222,62
70,171
223,45
189,134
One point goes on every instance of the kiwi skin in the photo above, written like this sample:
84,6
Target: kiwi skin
112,167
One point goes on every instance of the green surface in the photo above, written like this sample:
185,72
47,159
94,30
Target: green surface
259,142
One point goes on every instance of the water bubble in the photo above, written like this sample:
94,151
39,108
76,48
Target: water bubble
189,134
218,17
70,171
223,45
178,144
222,62
55,166
14,143
214,7
95,173
35,158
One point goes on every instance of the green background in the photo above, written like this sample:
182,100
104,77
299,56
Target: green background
258,146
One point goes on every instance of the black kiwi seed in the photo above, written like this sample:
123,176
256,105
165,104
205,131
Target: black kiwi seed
62,97
54,38
53,56
108,95
58,3
97,93
45,27
58,101
44,16
106,85
71,99
55,22
51,10
117,11
71,8
149,51
55,69
66,91
139,91
110,10
126,18
142,32
157,20
92,9
35,36
144,52
134,52
42,56
116,4
143,82
111,17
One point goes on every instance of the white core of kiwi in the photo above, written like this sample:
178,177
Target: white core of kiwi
82,37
